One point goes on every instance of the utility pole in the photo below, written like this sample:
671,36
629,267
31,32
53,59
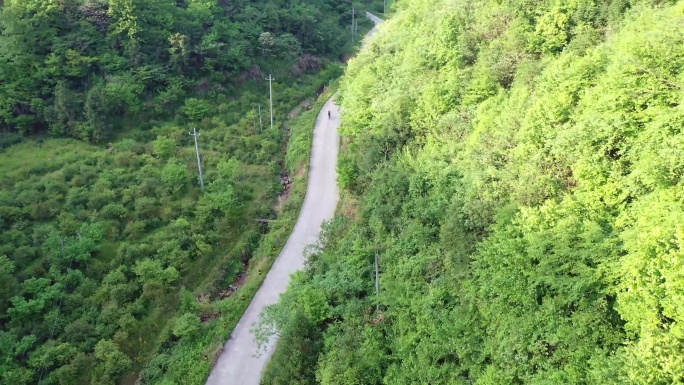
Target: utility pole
261,123
353,22
254,110
384,6
377,280
270,91
199,162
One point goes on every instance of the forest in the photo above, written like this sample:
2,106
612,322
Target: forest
116,266
515,169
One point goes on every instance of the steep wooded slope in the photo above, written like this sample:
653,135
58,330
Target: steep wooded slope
518,165
86,68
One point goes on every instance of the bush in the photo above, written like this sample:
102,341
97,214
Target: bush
186,325
175,175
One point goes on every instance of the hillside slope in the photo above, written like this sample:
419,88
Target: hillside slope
518,168
116,266
86,68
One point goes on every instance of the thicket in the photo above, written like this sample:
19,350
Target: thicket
114,266
518,167
86,68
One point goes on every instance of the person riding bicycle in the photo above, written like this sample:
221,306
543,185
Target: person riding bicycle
328,114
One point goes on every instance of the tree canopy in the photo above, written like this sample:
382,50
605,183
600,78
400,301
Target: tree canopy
115,266
517,165
83,67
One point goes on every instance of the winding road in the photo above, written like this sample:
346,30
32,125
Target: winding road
239,363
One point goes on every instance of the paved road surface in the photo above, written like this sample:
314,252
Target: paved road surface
238,364
372,32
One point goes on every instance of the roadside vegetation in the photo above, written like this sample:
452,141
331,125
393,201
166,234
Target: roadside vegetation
517,168
114,266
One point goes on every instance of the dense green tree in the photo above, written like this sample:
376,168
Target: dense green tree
175,175
111,362
78,67
186,325
302,343
8,284
164,147
518,167
101,221
195,109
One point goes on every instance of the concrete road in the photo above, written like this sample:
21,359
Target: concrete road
239,364
376,20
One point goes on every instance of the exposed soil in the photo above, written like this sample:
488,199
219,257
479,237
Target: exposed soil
209,317
349,207
378,319
303,106
203,298
289,185
238,283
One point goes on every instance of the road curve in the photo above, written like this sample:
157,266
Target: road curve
239,364
376,20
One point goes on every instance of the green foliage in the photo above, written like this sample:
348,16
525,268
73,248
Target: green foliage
296,361
229,170
87,68
195,109
175,175
164,147
347,173
518,167
186,325
100,241
8,284
111,362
